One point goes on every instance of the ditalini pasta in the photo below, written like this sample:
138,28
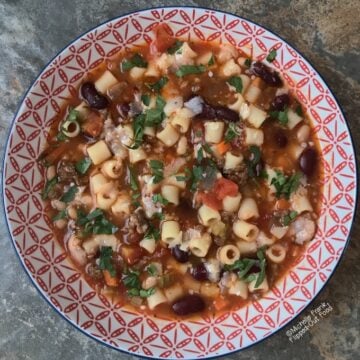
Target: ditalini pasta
180,172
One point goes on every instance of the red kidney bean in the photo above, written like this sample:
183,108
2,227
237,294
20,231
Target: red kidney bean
280,102
188,304
280,138
308,161
269,76
199,272
179,255
210,112
93,97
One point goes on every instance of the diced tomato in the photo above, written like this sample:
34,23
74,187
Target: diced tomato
93,125
224,187
210,200
131,254
163,39
220,303
109,280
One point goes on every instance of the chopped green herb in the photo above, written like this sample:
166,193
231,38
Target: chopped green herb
199,155
61,136
196,176
281,116
60,215
132,283
236,82
146,99
94,223
181,178
159,215
157,168
70,194
190,69
49,188
158,85
158,198
207,149
289,218
152,269
261,276
198,133
247,62
138,127
271,56
83,165
105,262
211,60
231,133
299,110
175,48
136,61
285,185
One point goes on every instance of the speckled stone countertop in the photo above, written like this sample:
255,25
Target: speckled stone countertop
33,31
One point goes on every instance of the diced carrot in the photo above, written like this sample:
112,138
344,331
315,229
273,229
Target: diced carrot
222,147
55,153
282,204
225,187
93,125
109,280
210,200
163,39
220,303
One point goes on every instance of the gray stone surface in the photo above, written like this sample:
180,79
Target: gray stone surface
32,32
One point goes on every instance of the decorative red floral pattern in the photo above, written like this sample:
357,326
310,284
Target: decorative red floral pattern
61,283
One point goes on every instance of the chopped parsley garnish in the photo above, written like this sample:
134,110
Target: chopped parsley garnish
70,194
299,110
138,127
157,168
152,233
236,82
231,133
136,61
207,149
253,161
132,283
158,85
158,198
247,62
271,56
49,188
285,185
281,116
146,99
134,186
105,262
152,269
60,215
94,223
175,48
211,60
289,218
190,69
199,155
83,165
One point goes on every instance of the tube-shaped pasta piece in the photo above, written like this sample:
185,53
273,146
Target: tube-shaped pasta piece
248,209
173,292
152,70
106,196
293,119
181,119
256,116
182,268
263,239
252,93
228,254
303,133
239,288
173,104
169,135
263,287
99,152
231,203
205,58
191,284
97,181
149,131
136,73
207,215
182,146
112,168
121,205
83,110
245,82
276,253
200,246
176,180
214,131
246,247
156,299
209,289
170,193
295,151
254,136
300,203
148,244
232,161
279,231
71,128
170,232
236,106
105,81
136,155
107,240
245,230
229,68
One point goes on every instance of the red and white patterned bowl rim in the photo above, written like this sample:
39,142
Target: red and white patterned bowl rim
62,285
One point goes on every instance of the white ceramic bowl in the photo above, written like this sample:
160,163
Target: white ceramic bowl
63,286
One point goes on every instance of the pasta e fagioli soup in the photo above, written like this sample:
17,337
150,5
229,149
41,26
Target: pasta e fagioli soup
183,177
